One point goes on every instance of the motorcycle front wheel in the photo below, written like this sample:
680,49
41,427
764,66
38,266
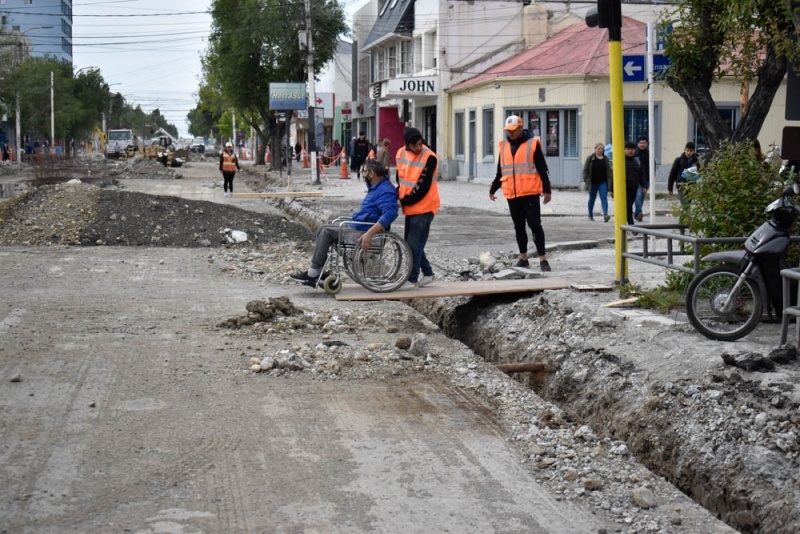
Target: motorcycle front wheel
705,302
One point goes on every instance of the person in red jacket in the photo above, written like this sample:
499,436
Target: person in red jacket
523,175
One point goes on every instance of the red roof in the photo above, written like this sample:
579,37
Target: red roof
577,49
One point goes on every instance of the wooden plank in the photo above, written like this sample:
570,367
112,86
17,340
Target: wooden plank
279,194
455,289
623,302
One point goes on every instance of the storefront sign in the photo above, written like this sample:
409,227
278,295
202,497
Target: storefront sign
287,96
413,86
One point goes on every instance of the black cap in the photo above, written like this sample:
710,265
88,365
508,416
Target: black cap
411,135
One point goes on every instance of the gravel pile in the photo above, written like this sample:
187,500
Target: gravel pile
83,214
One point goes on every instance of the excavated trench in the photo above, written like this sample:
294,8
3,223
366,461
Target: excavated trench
707,435
694,434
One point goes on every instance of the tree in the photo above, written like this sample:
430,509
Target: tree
748,39
255,42
204,117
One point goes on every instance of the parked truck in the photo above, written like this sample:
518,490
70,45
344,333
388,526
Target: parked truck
119,142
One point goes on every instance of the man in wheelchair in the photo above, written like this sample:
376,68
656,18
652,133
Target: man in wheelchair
377,212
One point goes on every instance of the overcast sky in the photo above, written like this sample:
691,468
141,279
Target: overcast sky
149,50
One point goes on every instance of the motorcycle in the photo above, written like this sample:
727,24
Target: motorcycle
725,302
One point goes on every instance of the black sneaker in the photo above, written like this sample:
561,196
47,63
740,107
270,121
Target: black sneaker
545,266
522,263
639,217
304,278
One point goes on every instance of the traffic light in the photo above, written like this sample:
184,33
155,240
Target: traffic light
607,14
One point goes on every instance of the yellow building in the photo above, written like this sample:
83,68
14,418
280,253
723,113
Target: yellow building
561,90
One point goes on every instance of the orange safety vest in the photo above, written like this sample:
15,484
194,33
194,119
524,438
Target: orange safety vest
228,162
409,170
520,177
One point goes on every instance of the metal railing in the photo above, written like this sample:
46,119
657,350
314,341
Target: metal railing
667,258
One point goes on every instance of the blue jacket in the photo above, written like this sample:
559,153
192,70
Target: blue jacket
380,204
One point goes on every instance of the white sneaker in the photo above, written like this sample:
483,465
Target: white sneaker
425,280
408,285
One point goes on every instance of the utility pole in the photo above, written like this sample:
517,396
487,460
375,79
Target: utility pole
312,94
52,116
233,136
608,14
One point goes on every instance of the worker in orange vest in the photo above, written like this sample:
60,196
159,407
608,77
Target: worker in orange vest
228,165
523,175
417,175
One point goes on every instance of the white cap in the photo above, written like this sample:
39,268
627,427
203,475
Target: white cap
513,122
228,144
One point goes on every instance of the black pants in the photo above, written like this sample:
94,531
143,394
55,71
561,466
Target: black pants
227,181
527,210
630,199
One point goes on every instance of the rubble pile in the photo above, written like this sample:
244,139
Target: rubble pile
84,214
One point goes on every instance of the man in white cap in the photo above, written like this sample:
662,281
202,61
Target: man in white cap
523,175
228,165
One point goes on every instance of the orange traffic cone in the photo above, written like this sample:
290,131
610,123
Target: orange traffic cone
304,155
244,154
345,173
269,155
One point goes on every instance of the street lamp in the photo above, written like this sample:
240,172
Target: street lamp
18,125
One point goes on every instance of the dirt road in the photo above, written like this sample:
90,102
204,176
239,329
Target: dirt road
125,407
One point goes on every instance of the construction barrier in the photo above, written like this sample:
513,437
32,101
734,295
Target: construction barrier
269,155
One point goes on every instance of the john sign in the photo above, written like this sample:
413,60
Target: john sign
413,86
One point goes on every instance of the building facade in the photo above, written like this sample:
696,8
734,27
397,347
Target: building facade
45,25
456,70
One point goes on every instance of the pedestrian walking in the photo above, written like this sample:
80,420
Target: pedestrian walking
597,174
417,174
643,154
683,162
228,165
633,179
360,151
523,175
382,153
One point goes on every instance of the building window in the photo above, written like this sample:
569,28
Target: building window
635,123
418,52
380,66
459,132
405,57
488,132
391,60
570,133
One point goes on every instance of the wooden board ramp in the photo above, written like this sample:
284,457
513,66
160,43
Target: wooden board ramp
279,194
455,289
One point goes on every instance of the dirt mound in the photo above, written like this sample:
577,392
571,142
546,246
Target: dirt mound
82,214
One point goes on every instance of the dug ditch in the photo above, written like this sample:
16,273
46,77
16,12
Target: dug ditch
727,442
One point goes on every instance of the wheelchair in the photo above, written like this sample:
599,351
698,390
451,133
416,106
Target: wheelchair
383,267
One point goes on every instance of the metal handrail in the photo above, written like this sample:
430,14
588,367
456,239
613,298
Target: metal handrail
660,231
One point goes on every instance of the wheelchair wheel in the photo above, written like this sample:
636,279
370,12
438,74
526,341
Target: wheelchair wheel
385,266
332,284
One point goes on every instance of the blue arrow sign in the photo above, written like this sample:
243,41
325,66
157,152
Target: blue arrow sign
661,65
633,68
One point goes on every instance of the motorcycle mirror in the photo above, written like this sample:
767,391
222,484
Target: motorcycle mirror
791,190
